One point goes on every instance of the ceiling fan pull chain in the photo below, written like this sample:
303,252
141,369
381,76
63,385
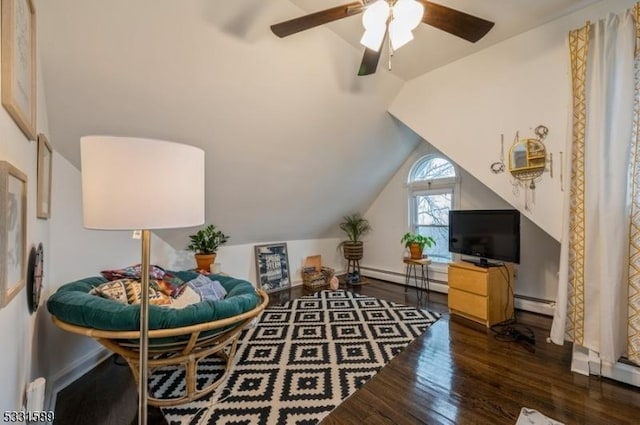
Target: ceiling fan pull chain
390,52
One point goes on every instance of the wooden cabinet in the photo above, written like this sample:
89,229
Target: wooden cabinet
484,295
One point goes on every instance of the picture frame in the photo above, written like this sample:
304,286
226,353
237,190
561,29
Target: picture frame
272,266
13,231
19,63
45,155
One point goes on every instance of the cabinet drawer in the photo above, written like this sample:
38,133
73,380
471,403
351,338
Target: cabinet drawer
469,281
468,303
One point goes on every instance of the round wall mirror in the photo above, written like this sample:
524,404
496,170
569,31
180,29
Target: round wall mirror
528,157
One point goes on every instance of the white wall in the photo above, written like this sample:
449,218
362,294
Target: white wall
75,253
464,107
389,218
18,331
239,260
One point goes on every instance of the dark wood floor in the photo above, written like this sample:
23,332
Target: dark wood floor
456,373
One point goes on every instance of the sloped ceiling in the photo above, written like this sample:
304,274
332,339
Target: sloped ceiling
293,139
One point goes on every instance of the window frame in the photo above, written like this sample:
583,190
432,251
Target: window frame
436,186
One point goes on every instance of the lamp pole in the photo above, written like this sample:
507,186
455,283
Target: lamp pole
144,328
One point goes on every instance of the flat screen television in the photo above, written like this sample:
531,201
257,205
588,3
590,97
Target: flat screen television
486,235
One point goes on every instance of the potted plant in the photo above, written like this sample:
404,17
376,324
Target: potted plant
355,226
416,243
205,244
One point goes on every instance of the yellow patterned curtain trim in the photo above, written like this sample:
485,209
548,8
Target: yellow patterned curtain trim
636,14
633,323
578,46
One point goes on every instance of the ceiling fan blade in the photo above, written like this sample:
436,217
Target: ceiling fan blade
369,62
460,24
371,58
302,23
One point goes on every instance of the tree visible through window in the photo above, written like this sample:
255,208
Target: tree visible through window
432,182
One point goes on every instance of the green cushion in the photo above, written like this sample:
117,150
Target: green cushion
73,304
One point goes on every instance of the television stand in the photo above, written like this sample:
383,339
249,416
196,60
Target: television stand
481,294
482,262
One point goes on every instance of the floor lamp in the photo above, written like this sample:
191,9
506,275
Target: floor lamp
141,184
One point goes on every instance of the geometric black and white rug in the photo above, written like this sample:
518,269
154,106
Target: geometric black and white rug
299,362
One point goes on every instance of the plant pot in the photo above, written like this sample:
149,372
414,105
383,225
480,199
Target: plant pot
204,261
416,251
352,250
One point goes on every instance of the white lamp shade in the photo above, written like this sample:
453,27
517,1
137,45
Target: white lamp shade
134,183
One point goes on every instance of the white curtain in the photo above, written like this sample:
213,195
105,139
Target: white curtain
592,299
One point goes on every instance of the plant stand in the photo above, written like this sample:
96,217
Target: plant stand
422,283
353,268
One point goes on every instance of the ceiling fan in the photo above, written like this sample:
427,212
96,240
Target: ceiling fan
393,18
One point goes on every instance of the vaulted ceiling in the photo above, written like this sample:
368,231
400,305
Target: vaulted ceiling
293,138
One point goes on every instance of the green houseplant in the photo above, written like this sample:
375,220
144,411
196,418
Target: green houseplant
205,243
355,226
416,243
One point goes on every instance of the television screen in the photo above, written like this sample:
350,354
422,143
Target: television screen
486,234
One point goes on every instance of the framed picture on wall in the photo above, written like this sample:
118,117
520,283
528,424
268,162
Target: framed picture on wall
44,177
13,231
19,63
272,266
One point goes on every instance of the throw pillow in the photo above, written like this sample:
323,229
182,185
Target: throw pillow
128,291
170,285
187,297
133,272
207,289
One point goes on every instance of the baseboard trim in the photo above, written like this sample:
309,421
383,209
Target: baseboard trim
70,373
622,372
534,305
438,283
434,283
588,362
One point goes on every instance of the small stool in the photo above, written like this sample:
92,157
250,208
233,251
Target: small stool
423,282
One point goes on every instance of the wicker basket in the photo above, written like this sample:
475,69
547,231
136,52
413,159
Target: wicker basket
313,279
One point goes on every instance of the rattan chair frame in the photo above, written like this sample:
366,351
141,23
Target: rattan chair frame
187,353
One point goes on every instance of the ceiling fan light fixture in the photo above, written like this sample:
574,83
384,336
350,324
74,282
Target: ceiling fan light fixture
372,38
376,14
399,34
408,13
374,21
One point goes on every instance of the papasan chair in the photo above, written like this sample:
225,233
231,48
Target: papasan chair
177,336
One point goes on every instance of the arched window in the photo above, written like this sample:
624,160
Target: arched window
432,188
